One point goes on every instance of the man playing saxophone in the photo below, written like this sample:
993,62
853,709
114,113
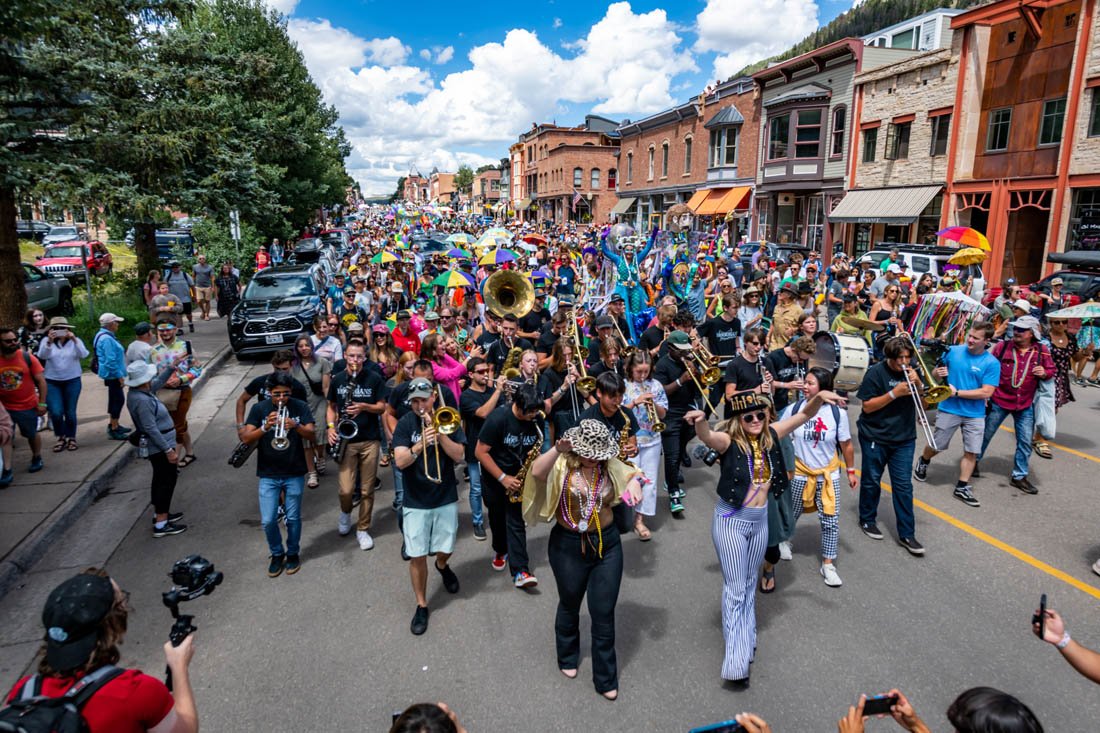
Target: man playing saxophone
499,351
427,454
506,440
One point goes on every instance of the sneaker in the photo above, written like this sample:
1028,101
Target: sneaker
920,471
785,552
1093,382
499,562
172,517
676,507
1096,567
871,530
450,580
1024,485
685,459
293,564
911,544
966,496
828,572
119,434
365,540
677,494
479,532
356,498
6,478
169,528
1079,381
343,524
976,473
524,579
420,621
312,481
275,567
36,465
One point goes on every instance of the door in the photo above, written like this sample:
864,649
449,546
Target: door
38,292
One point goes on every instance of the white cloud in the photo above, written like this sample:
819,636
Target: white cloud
286,7
445,55
425,54
557,22
387,51
754,29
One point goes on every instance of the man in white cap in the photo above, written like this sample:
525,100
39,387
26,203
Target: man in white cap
890,277
110,360
1024,362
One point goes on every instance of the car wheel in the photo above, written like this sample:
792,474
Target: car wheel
65,305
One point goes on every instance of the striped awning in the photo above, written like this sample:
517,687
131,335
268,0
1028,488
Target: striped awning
901,205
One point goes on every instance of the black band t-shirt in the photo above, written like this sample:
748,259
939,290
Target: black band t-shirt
367,388
289,463
420,493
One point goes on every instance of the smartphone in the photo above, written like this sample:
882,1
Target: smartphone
1041,617
728,726
879,704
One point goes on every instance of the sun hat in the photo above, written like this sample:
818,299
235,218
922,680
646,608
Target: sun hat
108,318
72,615
1029,323
431,316
60,322
1022,304
139,373
592,439
789,288
1057,281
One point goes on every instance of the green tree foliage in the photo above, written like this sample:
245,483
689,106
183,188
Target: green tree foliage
218,245
464,179
482,168
400,192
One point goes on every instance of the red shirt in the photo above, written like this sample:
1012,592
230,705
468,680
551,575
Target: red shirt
407,343
1016,390
17,391
133,702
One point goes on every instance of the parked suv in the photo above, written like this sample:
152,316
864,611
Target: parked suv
59,234
52,294
278,304
917,258
31,229
65,259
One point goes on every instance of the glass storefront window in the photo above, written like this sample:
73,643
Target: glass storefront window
1084,221
928,223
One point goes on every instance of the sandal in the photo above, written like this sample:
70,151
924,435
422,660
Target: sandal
71,444
766,576
643,532
384,460
1043,449
186,461
313,483
59,445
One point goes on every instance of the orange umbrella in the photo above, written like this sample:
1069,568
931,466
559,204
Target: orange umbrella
965,236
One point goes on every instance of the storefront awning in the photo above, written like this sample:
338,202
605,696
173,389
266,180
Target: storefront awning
524,205
900,205
697,199
714,200
624,205
737,198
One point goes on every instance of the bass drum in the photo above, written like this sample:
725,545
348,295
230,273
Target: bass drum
844,355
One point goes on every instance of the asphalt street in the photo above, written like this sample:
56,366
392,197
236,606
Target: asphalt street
330,648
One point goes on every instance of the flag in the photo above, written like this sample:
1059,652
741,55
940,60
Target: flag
576,199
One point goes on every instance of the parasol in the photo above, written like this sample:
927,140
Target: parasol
498,232
458,254
496,257
968,256
384,258
965,236
1087,310
534,239
454,279
459,238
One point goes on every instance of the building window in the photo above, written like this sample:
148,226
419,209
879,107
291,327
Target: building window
836,147
664,160
1094,117
870,143
779,136
897,141
1050,127
578,177
1000,122
687,155
629,167
594,183
651,153
723,147
808,135
941,127
612,178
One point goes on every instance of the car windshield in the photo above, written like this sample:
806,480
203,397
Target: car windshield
63,232
287,286
63,251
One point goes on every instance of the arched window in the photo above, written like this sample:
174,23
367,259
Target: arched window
688,144
594,183
578,177
651,155
664,159
836,140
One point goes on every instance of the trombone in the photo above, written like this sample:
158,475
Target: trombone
709,373
690,369
934,393
627,350
441,421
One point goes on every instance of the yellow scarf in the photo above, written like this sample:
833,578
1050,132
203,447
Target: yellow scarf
828,489
540,498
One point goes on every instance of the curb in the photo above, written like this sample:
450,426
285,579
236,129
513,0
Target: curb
23,557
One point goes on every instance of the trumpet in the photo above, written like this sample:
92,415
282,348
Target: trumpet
280,441
654,418
709,373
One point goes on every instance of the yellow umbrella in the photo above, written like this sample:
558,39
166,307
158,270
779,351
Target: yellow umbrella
968,256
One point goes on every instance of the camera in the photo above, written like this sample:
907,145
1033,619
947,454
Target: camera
192,577
935,348
707,455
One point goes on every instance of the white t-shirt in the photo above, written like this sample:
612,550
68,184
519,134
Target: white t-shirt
330,348
815,441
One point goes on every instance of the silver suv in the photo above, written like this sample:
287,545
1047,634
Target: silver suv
49,293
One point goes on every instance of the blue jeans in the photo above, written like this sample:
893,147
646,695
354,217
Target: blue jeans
61,398
270,488
474,469
876,458
1023,422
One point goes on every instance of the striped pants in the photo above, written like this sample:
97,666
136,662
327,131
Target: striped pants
740,541
830,525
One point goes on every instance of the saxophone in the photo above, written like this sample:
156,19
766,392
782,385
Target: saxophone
624,435
535,452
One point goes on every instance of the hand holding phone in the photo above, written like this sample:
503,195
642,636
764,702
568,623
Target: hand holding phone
879,704
1041,617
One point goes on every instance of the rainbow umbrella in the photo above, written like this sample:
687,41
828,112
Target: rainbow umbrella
458,254
541,278
454,279
496,257
965,236
384,258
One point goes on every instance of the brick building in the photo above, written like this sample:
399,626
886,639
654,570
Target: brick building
441,188
485,193
1080,209
416,188
520,202
702,153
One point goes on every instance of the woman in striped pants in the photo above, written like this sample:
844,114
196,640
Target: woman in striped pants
751,469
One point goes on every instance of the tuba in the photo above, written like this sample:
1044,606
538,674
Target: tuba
507,291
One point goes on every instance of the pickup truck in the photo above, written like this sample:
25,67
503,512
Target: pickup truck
65,259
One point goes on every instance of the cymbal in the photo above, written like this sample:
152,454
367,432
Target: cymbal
863,323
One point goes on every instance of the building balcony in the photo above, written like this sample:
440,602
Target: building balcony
722,174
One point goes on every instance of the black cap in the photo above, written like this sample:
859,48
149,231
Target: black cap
616,298
605,322
72,616
142,328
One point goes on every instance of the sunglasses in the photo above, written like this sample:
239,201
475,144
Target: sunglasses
754,417
9,341
481,371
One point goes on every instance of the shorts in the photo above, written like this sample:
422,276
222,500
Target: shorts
27,421
973,431
430,530
187,308
203,294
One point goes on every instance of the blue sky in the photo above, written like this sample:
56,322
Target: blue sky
452,83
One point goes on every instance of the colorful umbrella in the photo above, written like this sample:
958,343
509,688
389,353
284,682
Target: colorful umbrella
1090,309
968,256
496,257
384,258
498,232
459,238
454,279
534,239
965,236
458,254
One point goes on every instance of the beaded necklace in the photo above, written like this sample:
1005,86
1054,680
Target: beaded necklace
760,472
589,506
1015,365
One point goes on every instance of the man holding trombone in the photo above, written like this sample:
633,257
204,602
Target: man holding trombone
426,450
282,426
890,394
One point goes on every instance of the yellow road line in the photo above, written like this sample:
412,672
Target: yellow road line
1005,547
1071,451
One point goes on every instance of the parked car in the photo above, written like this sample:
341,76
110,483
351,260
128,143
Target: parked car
31,229
278,304
59,234
52,294
1078,285
66,259
775,252
172,243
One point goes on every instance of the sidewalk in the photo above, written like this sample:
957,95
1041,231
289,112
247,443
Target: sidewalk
38,507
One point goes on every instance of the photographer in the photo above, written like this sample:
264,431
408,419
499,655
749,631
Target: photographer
427,717
61,353
85,620
977,710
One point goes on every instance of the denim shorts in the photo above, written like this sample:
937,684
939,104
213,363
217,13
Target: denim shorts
27,420
430,530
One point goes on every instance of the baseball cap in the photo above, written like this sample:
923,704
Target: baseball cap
616,298
403,314
1057,281
108,318
173,263
679,340
1022,304
379,328
605,322
420,388
895,267
431,316
72,616
355,326
142,327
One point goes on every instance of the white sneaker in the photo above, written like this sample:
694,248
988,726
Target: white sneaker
1096,567
343,525
365,541
828,572
785,551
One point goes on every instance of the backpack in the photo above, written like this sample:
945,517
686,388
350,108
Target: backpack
93,365
32,712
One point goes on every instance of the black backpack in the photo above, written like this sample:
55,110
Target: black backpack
32,712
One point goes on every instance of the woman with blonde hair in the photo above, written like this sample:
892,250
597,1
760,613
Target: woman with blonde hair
646,398
383,351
